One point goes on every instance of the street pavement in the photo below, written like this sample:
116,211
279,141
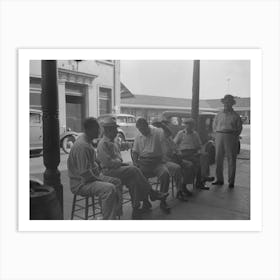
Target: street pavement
218,203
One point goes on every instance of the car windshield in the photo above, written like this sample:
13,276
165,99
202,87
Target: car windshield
121,119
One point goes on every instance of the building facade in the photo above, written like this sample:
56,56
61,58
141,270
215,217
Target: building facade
85,88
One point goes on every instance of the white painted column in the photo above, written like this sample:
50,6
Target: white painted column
91,101
62,103
117,88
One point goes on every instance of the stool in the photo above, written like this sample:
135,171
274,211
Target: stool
81,203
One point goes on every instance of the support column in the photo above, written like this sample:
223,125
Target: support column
117,87
91,101
51,149
62,103
195,91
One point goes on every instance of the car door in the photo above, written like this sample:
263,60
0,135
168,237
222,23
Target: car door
131,128
36,132
122,122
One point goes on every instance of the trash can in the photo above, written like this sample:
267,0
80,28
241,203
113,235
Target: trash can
44,204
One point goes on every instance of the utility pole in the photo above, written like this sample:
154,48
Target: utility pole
195,91
51,147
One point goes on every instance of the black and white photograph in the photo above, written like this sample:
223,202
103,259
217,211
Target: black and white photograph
140,139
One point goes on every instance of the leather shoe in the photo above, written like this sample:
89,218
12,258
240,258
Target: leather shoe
208,179
218,183
231,185
164,207
147,206
137,213
181,196
155,195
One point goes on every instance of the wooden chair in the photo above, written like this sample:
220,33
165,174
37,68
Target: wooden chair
82,204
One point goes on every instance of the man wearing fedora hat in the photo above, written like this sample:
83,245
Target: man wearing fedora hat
227,126
108,153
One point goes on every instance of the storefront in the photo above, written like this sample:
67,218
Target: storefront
87,88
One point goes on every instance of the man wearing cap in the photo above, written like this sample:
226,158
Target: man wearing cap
189,146
85,176
227,125
177,167
147,153
108,153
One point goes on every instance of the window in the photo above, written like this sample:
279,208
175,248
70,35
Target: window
105,101
121,119
131,120
35,118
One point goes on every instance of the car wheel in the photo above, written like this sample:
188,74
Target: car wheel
67,143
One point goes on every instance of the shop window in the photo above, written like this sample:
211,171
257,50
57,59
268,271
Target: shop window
105,101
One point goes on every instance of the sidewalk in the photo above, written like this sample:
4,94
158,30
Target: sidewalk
218,203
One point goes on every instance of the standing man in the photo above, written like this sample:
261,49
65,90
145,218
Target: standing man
85,177
147,153
108,154
227,125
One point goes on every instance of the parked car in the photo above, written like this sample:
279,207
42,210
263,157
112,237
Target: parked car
127,125
67,137
204,128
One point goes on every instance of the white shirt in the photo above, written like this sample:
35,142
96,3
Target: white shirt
187,141
151,145
227,122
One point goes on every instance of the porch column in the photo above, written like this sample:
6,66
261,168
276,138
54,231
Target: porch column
195,91
91,103
62,103
51,149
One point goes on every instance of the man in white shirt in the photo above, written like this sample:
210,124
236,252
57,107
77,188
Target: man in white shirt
147,153
109,156
85,177
227,125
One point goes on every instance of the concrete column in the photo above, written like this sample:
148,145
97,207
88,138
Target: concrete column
117,87
62,103
91,101
195,91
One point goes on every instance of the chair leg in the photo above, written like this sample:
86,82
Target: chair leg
172,186
86,209
73,206
93,207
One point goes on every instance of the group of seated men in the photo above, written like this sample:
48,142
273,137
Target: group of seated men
154,152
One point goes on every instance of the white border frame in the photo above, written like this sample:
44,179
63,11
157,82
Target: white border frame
255,222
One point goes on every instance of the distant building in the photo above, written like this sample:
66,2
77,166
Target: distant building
151,107
85,88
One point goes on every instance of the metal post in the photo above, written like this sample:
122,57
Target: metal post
51,147
195,91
